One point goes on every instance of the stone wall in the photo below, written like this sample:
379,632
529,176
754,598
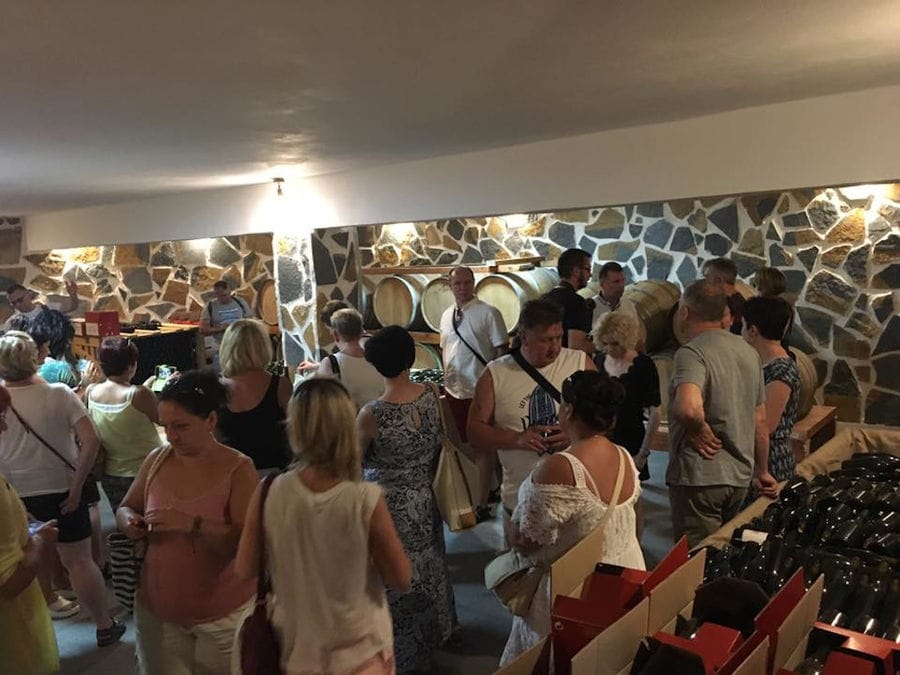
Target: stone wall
839,249
158,280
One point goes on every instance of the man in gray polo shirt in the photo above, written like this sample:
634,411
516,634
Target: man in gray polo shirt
718,437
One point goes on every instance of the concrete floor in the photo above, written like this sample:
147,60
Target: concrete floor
485,624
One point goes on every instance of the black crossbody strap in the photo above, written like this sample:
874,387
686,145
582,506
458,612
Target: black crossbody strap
29,429
542,381
335,366
263,580
471,348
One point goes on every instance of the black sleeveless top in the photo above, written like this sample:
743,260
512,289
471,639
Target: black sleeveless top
260,432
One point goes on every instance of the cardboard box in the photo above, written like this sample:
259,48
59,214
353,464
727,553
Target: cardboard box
535,661
102,324
627,605
852,653
606,595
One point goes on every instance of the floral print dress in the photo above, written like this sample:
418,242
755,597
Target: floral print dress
403,459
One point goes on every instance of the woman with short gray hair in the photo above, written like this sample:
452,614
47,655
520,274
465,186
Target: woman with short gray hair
349,364
46,454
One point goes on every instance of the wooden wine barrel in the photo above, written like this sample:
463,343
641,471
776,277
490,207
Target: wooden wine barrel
507,291
397,300
654,300
809,382
267,303
436,298
427,358
664,362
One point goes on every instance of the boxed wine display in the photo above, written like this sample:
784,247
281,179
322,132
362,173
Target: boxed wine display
838,519
659,596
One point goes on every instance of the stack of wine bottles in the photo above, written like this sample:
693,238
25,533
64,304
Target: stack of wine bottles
845,525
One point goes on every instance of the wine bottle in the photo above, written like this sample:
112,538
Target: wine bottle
814,664
866,602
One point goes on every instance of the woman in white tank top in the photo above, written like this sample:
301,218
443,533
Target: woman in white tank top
331,545
568,495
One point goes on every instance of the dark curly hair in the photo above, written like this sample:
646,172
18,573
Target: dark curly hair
200,392
595,398
58,329
392,350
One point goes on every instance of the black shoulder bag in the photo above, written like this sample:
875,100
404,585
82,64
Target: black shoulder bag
532,372
335,366
463,340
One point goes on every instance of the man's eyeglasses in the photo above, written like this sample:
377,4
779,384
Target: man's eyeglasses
457,317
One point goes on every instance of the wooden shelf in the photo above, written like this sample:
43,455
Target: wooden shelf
489,268
425,337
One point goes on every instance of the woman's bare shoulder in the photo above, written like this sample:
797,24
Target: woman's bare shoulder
553,470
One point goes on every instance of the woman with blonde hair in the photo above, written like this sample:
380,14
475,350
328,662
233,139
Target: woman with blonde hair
616,336
47,453
252,420
27,640
328,602
769,282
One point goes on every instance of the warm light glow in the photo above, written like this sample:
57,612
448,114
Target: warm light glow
401,233
516,220
296,211
884,190
199,244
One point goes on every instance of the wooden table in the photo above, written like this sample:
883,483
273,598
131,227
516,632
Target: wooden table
181,345
813,431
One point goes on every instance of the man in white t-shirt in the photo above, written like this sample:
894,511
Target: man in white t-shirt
472,333
513,414
612,289
25,302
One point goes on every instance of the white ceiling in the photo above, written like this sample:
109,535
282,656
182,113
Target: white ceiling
109,101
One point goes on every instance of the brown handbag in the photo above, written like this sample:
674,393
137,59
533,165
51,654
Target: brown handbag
260,651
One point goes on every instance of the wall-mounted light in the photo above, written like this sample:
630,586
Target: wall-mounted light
514,221
401,233
278,183
884,190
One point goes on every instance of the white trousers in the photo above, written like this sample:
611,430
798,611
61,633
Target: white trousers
165,648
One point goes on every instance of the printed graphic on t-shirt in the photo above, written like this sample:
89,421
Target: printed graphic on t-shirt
541,409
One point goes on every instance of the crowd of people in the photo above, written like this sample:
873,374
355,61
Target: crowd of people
561,425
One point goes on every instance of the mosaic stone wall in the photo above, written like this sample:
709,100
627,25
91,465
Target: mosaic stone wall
838,248
297,296
158,280
337,275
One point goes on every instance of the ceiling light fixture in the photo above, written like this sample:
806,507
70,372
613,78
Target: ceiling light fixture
278,182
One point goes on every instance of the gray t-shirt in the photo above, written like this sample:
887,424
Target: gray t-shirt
224,314
729,373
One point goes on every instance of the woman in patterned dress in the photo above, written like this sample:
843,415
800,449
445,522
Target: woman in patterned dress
765,321
400,434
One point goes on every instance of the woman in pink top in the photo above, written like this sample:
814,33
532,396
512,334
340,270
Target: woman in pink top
189,600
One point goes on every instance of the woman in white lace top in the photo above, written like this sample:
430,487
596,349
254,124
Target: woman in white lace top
568,493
